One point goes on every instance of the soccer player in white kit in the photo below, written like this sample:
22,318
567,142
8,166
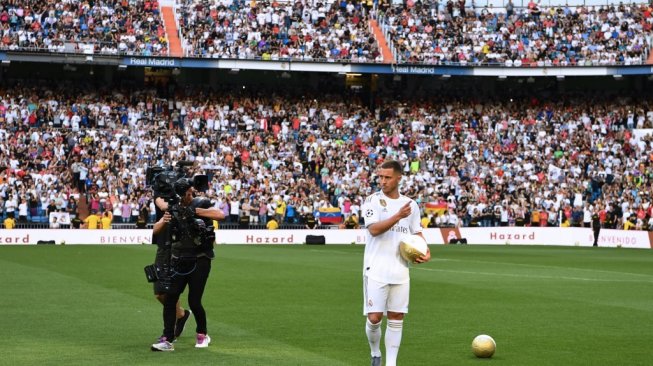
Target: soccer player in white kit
386,281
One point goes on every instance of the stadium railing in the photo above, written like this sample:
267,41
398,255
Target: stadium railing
548,3
77,48
120,226
385,28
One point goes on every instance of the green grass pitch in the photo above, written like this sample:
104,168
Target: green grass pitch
301,305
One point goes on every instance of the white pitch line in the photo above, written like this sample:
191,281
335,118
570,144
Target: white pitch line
529,276
550,267
330,251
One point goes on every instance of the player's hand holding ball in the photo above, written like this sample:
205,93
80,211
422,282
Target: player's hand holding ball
413,249
425,258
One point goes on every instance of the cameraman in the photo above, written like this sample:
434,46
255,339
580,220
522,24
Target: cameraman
159,237
191,252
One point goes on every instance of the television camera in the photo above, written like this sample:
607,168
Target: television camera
162,180
170,183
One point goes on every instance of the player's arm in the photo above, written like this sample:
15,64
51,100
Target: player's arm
382,226
426,257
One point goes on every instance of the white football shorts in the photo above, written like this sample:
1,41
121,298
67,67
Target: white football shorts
382,297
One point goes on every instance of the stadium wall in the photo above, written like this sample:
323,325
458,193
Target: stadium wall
122,63
478,236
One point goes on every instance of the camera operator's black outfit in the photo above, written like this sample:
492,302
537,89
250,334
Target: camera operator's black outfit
596,228
161,260
190,264
162,255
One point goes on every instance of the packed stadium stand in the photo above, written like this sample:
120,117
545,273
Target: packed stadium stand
102,27
276,31
78,134
417,32
314,151
533,35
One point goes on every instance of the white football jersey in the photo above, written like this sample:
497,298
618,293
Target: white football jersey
382,261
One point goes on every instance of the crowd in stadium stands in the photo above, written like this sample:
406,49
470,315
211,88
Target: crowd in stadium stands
531,36
477,162
427,32
131,27
422,32
272,31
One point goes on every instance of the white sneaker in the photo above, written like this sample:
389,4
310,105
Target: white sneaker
162,345
203,340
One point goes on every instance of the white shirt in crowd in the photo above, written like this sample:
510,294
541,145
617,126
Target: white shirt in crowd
22,209
234,207
10,205
453,220
587,215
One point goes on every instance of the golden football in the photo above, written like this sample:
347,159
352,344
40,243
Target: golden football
483,346
412,247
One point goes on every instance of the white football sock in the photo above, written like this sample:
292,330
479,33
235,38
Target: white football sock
373,332
392,341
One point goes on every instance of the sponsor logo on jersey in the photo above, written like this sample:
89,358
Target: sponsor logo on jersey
400,229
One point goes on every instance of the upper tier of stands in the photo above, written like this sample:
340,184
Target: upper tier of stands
110,27
417,32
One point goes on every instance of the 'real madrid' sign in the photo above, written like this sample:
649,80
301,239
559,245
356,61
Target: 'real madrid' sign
152,62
